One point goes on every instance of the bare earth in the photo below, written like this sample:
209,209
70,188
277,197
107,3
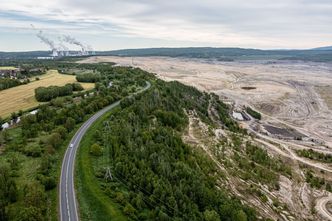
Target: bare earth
23,97
294,96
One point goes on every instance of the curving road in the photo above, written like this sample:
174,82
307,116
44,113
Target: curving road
67,198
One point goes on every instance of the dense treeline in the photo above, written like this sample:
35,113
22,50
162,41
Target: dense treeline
6,83
33,149
8,189
155,175
43,94
88,77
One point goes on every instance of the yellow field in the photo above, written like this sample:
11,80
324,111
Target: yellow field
7,68
23,97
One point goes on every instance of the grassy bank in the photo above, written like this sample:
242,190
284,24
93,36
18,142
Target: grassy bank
94,204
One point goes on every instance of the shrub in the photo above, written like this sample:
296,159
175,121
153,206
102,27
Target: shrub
96,150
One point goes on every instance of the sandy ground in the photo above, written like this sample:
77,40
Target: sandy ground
297,93
293,95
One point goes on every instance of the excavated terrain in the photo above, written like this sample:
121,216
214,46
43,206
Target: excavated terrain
295,100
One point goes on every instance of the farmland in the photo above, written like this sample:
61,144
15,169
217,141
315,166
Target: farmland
22,97
7,68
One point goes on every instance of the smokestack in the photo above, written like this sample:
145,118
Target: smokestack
63,49
73,41
90,50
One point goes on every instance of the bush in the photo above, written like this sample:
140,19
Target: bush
49,183
254,113
96,150
77,87
88,77
8,83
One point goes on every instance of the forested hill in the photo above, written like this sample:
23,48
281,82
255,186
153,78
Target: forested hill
223,54
156,176
228,54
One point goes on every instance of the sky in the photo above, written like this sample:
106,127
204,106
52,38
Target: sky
118,24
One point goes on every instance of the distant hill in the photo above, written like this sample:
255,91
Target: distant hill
327,48
24,55
227,54
221,54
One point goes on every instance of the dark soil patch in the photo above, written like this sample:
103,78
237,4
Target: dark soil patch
283,132
248,88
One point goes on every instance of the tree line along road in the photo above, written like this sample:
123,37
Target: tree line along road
67,197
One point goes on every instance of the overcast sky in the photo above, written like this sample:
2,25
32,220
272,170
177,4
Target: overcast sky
115,24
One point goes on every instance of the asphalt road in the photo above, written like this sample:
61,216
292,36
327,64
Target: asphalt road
67,198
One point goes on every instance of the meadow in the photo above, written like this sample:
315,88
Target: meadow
7,68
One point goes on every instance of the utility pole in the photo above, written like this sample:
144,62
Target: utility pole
108,173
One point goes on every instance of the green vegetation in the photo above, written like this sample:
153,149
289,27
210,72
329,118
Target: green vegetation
314,155
317,182
6,83
155,176
33,149
43,94
254,113
228,54
254,163
132,164
88,77
94,203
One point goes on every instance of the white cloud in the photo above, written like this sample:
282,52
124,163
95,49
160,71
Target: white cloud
255,23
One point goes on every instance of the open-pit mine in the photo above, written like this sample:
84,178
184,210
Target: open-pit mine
295,102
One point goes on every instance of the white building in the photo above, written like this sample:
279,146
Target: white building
5,126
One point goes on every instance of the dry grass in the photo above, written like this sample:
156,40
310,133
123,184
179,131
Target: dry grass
23,97
7,68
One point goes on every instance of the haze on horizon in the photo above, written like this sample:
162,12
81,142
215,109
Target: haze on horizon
116,24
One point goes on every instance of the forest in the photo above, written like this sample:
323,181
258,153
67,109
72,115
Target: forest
6,83
31,152
88,77
43,94
155,176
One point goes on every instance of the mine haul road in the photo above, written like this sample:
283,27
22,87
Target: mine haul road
67,198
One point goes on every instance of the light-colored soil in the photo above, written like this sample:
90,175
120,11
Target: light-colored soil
326,93
286,91
23,97
293,95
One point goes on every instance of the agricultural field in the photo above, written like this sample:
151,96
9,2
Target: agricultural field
7,68
22,97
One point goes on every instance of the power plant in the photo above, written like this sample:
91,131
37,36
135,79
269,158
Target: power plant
60,49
